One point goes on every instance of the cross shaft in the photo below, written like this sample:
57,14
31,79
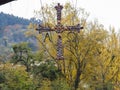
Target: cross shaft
59,28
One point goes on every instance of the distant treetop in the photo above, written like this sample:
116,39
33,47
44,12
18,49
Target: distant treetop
7,19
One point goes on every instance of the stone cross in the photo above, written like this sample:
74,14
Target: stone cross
59,28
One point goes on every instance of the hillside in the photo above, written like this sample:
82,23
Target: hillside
12,29
6,19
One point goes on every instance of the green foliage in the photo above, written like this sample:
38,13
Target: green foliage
47,69
2,77
22,54
15,78
60,84
21,47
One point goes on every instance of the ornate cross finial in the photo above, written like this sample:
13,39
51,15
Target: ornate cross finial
59,9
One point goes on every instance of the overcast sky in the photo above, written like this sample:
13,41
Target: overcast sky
106,11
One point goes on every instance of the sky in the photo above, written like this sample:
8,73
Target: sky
106,11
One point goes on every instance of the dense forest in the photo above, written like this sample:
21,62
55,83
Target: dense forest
14,24
7,19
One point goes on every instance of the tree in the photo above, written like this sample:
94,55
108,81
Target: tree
22,54
103,69
47,73
70,14
89,54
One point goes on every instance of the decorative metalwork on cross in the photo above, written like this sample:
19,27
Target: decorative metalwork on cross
59,28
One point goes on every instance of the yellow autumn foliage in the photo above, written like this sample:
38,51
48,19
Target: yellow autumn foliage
91,56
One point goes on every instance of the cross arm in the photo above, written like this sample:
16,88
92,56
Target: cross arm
41,29
73,28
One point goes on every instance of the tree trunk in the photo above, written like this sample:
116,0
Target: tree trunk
77,79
